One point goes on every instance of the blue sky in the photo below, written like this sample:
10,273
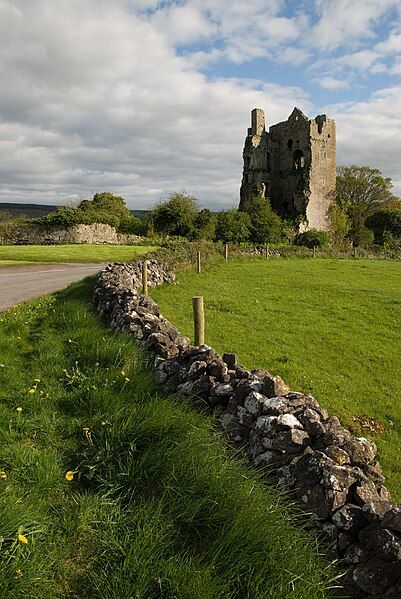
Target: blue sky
143,98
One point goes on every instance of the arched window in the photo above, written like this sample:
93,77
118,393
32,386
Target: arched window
289,144
299,159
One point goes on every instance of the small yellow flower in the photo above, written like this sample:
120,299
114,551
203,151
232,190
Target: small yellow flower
18,573
3,474
126,379
23,540
32,390
19,410
122,373
37,380
69,475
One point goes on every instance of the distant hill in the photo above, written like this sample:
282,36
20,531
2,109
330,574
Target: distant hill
37,210
29,210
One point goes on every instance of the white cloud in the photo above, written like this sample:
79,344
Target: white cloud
344,22
369,132
332,83
97,99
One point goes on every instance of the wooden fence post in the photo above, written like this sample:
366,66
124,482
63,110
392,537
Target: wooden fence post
199,320
145,277
354,251
267,251
314,251
199,261
226,251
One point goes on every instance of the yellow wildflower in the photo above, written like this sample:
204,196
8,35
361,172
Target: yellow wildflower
3,474
69,475
122,373
19,410
22,539
126,379
32,390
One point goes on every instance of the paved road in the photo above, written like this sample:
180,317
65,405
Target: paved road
21,283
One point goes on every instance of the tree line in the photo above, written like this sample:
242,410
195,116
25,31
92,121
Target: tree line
364,212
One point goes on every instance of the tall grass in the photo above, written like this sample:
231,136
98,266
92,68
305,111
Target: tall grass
157,508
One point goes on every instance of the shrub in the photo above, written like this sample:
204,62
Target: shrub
312,238
384,223
176,215
232,226
265,226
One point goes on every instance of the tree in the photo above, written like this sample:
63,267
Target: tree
265,226
384,223
204,224
232,226
176,215
360,191
339,225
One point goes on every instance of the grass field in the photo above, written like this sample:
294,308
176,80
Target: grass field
14,255
329,327
110,489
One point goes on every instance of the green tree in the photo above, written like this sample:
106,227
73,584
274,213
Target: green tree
384,223
204,224
360,191
176,215
232,226
265,226
339,225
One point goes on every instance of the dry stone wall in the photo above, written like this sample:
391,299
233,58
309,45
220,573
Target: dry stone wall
95,233
334,475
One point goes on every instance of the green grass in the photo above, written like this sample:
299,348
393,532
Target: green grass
328,327
158,508
24,254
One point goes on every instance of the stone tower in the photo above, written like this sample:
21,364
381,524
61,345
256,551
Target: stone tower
293,165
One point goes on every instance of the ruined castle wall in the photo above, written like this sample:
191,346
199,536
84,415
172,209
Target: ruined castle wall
290,186
293,165
323,172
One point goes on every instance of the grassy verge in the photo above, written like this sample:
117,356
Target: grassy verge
15,254
328,327
156,507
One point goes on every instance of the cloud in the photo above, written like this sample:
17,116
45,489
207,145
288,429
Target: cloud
97,99
369,133
332,83
344,22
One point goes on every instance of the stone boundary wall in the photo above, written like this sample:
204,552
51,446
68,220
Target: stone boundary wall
333,474
95,233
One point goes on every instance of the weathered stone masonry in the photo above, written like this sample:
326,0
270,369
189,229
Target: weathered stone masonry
334,474
293,165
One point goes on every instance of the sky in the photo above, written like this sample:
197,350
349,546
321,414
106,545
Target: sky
143,98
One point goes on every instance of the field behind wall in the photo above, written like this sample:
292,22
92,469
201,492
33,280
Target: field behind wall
18,255
328,327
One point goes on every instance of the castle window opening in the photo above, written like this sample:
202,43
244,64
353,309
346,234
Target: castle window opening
299,160
289,144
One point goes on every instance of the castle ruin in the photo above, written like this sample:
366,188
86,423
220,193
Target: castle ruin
293,165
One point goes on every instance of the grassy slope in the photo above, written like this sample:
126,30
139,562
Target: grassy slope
157,507
328,327
70,253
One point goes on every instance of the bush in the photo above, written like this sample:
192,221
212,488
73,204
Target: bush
312,238
176,215
232,226
265,226
384,223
